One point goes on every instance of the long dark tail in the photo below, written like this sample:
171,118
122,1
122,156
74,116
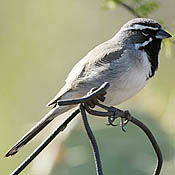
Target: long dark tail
58,110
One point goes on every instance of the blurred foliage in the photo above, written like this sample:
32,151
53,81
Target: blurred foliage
141,8
168,45
144,7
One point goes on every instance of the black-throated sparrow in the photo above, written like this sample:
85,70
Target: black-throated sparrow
127,62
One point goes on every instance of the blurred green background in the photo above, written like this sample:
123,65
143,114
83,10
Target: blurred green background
40,41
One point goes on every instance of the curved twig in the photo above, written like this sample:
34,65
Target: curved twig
126,115
110,112
153,142
92,140
129,8
90,96
86,98
45,143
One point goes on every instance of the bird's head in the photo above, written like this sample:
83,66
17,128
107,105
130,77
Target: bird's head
145,35
140,32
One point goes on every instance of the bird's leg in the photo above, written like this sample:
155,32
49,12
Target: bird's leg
124,119
111,121
124,116
94,101
123,124
115,115
111,112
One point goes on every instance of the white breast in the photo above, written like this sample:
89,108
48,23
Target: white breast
131,82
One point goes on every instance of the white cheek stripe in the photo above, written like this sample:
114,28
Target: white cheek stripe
139,45
141,27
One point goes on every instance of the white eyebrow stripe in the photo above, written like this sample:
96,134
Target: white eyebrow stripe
139,45
141,27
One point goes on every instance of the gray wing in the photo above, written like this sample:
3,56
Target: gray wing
90,69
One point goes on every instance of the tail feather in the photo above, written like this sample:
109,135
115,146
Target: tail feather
58,110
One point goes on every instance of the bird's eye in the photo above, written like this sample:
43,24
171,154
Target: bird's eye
146,32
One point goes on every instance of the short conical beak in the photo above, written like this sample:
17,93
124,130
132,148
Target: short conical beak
162,34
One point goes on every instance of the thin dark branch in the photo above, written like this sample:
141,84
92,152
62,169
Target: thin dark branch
153,142
92,140
86,98
97,113
129,8
126,115
95,94
110,112
45,143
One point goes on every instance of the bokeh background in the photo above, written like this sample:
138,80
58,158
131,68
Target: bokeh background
40,41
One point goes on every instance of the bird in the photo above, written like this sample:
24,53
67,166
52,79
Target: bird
127,61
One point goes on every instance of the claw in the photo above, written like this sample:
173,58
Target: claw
128,114
102,98
91,104
123,121
116,113
111,120
122,124
94,101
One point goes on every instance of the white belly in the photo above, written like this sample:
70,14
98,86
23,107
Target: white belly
129,84
127,89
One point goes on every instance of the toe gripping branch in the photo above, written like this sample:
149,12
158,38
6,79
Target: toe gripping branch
87,104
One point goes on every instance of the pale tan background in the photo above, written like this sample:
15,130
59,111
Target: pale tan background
40,41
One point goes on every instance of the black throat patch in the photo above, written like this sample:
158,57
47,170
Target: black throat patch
152,50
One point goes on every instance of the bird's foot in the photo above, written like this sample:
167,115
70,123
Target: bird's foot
111,112
124,116
94,101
